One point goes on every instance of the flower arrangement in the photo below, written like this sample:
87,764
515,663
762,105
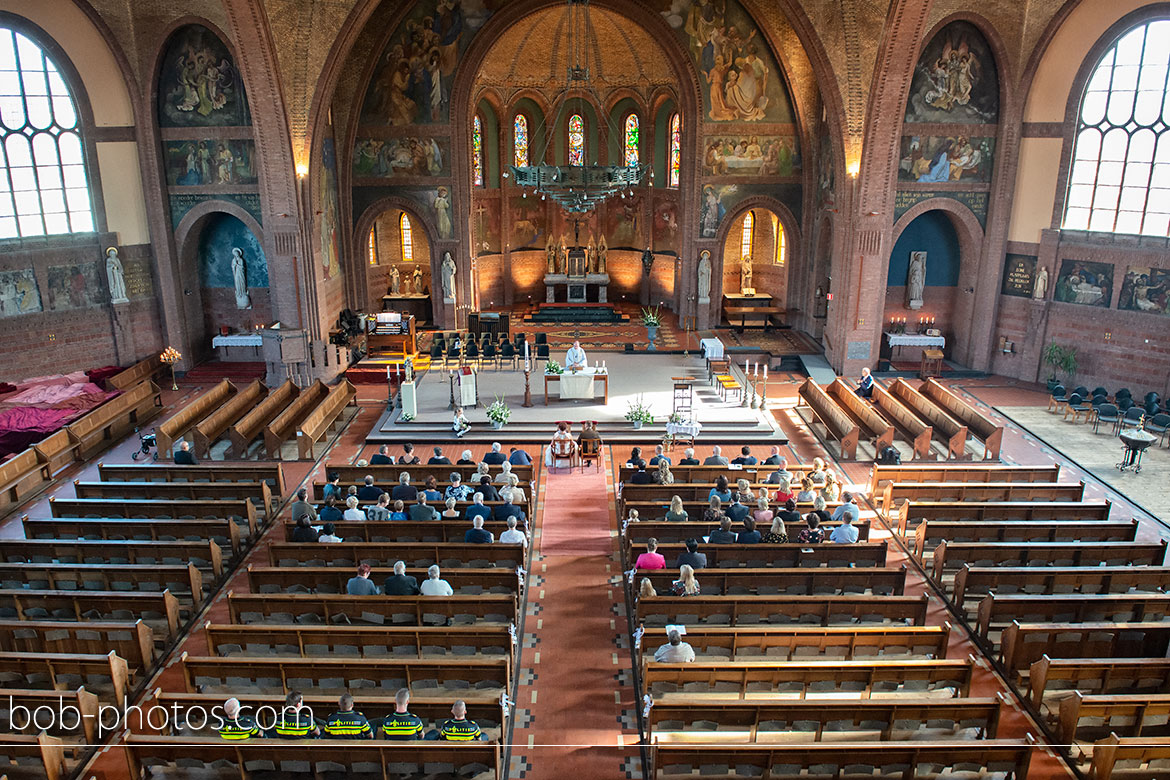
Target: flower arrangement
499,412
639,412
553,367
675,417
404,417
651,318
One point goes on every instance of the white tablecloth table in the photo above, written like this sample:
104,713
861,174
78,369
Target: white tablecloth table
687,430
237,340
578,384
914,340
712,349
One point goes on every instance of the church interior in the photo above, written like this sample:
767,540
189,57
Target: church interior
638,389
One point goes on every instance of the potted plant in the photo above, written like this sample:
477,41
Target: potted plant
1062,360
639,413
652,319
499,413
553,367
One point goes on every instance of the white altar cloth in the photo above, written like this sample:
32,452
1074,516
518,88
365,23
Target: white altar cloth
712,349
578,384
914,340
237,340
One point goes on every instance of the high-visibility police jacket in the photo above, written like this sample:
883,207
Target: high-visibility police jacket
293,725
402,726
350,724
242,727
459,730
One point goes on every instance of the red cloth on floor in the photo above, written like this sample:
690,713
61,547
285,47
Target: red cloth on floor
99,375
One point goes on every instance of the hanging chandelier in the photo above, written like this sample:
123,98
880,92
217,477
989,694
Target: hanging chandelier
578,189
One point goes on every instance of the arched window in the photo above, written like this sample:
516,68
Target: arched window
44,188
476,154
745,243
778,231
675,149
520,140
1119,181
576,140
373,246
630,140
407,242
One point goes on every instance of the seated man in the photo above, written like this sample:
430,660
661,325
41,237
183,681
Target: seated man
302,508
575,357
236,725
513,536
439,459
400,583
495,457
675,651
865,384
847,509
746,458
780,473
402,725
403,491
641,476
379,512
458,728
434,585
360,584
658,455
303,532
749,534
723,534
717,458
477,535
845,533
184,456
690,459
488,489
330,512
420,512
332,487
295,721
736,511
588,431
692,557
507,509
368,492
518,457
477,509
346,722
774,458
382,457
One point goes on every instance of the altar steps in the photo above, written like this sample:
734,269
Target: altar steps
575,314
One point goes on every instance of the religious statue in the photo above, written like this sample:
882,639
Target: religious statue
239,271
563,257
395,280
602,254
916,280
550,251
1040,288
745,273
115,277
647,261
418,280
448,278
591,255
705,276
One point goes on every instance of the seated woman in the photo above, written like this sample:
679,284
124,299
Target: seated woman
676,513
762,514
460,423
813,534
686,584
820,511
451,513
328,536
633,517
352,513
399,512
513,491
714,513
778,534
663,475
646,588
832,489
431,489
465,459
561,446
329,512
504,475
481,470
807,492
721,490
783,491
749,534
743,490
818,470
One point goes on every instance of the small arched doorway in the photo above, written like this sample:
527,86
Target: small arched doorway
397,255
756,239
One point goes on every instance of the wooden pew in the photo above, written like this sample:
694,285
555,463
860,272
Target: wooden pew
835,679
180,424
332,579
155,609
950,431
283,427
808,643
57,450
54,670
1023,644
949,556
1053,679
1142,757
82,700
872,424
341,757
837,423
225,471
387,476
146,369
342,674
314,427
977,423
918,433
133,641
707,475
976,581
906,516
881,720
721,556
781,610
258,492
996,611
955,472
529,503
930,532
665,531
785,582
222,532
41,756
1131,715
117,417
185,581
651,511
405,530
981,492
22,475
240,511
326,609
217,424
985,758
251,425
385,555
366,641
205,555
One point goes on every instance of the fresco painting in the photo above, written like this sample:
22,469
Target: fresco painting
398,157
750,156
199,85
210,162
932,158
529,222
666,232
1145,289
19,293
74,286
956,79
485,226
330,235
1085,283
623,222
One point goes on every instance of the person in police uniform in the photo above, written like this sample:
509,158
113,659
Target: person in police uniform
237,726
347,723
402,725
459,728
294,722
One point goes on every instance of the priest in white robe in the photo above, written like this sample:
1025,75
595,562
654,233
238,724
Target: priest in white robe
575,357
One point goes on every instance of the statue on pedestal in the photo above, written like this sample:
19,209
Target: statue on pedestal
418,280
115,277
448,278
704,276
745,273
602,254
916,280
395,280
1040,288
563,257
239,276
591,256
550,251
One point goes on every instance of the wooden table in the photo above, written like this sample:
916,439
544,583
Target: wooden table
931,363
765,313
602,378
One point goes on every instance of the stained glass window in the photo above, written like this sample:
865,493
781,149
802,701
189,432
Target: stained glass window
778,231
630,144
576,140
407,241
675,149
373,248
520,139
44,188
476,153
745,244
1119,181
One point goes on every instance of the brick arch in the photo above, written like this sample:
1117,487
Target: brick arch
365,222
788,222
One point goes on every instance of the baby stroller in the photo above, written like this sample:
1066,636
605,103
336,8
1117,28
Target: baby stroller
146,442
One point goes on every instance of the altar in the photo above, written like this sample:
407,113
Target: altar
576,287
579,384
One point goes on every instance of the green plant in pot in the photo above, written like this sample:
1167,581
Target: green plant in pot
499,413
652,319
1061,360
639,413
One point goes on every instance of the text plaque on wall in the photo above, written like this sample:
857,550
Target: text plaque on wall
1019,275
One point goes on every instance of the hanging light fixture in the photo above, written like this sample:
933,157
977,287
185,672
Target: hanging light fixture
578,189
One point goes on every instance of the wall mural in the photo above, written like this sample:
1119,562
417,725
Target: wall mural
397,157
74,286
485,227
956,79
220,236
529,222
1089,284
666,233
742,81
623,222
199,85
327,186
1145,289
932,158
712,209
19,293
210,162
750,155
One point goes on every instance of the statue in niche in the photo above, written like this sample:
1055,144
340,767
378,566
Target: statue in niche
418,280
395,280
550,251
115,276
745,273
916,280
240,278
1040,288
562,257
591,255
602,254
448,278
705,276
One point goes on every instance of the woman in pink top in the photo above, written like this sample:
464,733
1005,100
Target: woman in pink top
762,514
650,559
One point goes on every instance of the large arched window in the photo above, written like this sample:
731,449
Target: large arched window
675,150
630,140
476,153
745,242
1119,181
44,189
576,140
520,140
404,228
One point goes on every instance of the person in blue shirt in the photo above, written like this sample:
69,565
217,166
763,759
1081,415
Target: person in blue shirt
659,455
495,457
847,509
518,457
749,534
329,512
736,511
508,509
457,490
332,487
721,490
399,512
431,489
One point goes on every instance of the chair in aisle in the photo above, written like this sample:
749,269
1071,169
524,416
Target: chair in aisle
508,352
1107,413
589,452
1078,407
564,451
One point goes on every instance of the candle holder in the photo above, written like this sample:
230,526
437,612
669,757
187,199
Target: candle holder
451,382
527,391
755,399
170,356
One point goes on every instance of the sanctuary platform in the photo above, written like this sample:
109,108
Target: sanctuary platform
629,376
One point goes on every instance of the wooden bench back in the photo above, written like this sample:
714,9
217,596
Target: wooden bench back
996,611
707,475
147,368
58,450
149,508
217,423
81,604
839,424
827,581
386,554
316,641
976,581
405,530
131,640
1100,675
85,702
376,610
949,556
183,580
808,643
257,492
251,425
909,514
930,532
109,665
782,555
1022,644
876,427
222,532
980,492
812,610
1141,757
881,474
283,426
1129,715
115,418
953,432
205,555
332,579
317,423
21,476
976,422
388,475
666,531
918,433
178,425
225,471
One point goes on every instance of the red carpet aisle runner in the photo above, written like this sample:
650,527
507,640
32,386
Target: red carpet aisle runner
575,716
